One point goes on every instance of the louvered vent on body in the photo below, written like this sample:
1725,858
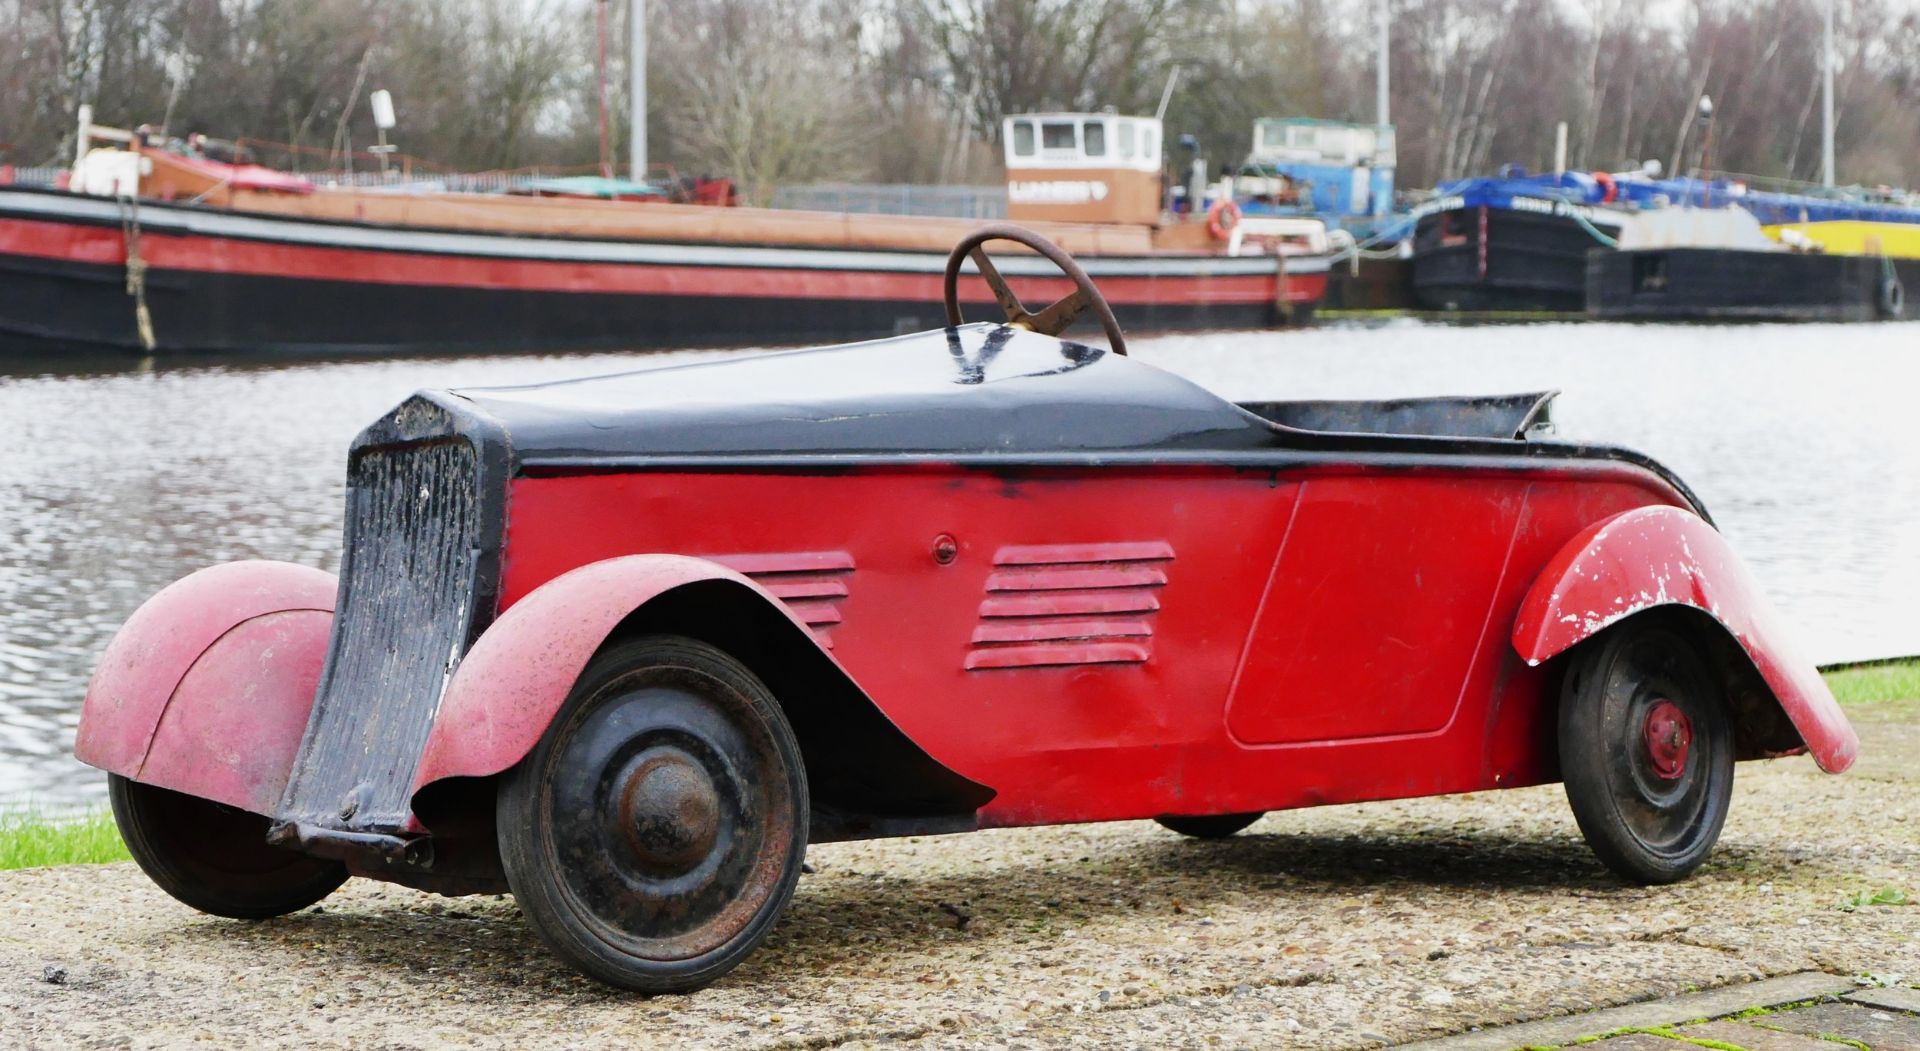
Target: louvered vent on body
813,584
1063,604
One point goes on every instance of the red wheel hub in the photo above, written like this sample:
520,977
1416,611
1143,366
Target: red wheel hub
1669,737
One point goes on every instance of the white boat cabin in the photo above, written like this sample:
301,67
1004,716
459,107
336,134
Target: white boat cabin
1082,167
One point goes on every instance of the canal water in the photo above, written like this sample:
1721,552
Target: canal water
1804,442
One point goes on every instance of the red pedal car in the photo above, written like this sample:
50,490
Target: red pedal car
626,644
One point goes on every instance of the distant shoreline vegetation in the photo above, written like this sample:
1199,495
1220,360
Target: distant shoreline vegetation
913,91
30,839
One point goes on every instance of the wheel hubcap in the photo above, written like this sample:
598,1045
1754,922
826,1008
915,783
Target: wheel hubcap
670,812
671,815
1669,736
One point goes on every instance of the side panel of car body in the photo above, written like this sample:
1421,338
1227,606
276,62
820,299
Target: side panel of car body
1664,556
1376,610
1080,642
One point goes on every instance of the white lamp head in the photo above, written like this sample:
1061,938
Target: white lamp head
383,110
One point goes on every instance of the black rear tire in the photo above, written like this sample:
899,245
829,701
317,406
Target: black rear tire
1646,751
216,857
1208,826
656,832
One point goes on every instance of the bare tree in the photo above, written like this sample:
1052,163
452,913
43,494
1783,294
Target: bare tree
915,90
761,93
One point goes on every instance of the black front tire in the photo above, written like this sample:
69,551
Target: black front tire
656,832
216,857
1208,826
1646,751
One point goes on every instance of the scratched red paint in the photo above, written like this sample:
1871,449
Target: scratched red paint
160,643
513,680
1450,710
1657,556
234,724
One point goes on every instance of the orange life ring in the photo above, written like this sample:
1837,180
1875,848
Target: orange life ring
1222,218
1609,191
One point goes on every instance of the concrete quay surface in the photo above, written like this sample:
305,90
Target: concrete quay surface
1340,927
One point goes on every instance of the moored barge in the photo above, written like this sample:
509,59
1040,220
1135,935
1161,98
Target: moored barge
1539,242
1722,265
189,254
1510,244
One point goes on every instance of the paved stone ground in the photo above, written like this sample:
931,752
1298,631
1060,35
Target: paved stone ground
1333,928
1810,1011
1824,1026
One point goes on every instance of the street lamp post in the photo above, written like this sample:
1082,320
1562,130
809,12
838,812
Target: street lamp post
637,89
1826,87
1380,78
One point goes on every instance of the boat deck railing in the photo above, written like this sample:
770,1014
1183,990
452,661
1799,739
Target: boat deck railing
1803,188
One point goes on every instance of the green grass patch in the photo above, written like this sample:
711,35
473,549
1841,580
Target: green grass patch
1665,1031
1871,683
1883,896
29,840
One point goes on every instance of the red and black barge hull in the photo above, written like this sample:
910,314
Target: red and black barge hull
1742,284
74,269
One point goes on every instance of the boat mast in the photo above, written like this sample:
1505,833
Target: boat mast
1380,81
637,90
600,76
1826,78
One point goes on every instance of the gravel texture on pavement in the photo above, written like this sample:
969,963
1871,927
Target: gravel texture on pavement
1330,928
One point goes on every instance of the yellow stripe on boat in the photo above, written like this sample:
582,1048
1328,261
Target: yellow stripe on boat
1855,237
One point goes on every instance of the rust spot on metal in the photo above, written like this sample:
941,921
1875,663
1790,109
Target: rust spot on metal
1669,737
945,549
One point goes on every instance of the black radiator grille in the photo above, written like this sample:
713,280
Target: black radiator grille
407,598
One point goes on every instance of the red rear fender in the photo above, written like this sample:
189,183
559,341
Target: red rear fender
1654,557
509,686
207,687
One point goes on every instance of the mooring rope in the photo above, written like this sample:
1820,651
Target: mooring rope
136,271
1366,250
1604,239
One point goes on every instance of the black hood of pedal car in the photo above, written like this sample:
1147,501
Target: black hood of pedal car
977,389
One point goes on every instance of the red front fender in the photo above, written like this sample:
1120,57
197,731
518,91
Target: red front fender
207,687
1665,556
513,680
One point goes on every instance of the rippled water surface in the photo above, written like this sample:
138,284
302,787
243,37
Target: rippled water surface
1802,440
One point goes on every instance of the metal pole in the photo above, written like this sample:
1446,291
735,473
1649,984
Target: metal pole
1166,94
83,135
637,89
1826,78
600,35
1382,118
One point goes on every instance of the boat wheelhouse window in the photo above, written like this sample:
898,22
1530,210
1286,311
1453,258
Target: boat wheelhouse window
1094,137
1150,141
1058,137
1126,139
1023,138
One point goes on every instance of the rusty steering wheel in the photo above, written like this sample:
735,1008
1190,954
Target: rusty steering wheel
1054,319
